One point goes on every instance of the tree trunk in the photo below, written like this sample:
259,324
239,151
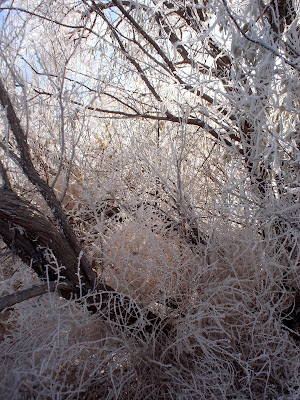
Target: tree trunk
53,251
31,236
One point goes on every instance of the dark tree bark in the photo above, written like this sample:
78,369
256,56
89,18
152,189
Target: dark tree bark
29,233
26,294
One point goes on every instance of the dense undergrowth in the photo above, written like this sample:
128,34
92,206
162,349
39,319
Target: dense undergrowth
225,307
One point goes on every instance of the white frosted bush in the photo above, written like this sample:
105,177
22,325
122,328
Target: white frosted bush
226,336
153,147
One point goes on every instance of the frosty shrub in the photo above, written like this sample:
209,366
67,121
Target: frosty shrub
149,200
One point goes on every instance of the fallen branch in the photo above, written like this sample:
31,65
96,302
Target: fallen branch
26,294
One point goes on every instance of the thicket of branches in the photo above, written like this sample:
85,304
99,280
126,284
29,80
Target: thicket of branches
149,207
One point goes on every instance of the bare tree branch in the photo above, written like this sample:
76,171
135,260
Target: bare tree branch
26,294
258,42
